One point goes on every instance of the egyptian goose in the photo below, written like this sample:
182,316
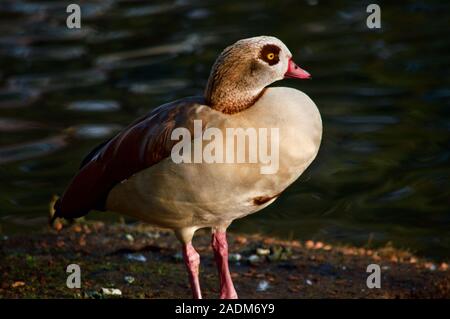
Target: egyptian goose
134,173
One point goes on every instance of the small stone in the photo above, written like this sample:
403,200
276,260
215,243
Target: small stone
327,247
129,237
111,292
234,257
136,257
178,256
152,235
430,266
92,294
129,279
309,282
253,259
262,251
263,285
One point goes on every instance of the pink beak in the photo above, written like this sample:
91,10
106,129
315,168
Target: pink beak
295,72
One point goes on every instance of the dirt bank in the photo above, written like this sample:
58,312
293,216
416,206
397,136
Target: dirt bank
144,262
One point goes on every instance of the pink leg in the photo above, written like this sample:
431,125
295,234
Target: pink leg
192,262
220,247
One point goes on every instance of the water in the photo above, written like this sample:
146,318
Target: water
382,174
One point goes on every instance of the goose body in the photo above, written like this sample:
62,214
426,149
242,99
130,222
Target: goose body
135,172
217,193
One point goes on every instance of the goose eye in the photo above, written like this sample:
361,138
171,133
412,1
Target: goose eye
270,54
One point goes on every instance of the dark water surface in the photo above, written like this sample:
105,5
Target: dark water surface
382,173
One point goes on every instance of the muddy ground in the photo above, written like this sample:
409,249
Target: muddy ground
144,262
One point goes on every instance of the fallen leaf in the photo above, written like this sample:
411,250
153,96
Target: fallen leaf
309,244
57,225
17,284
240,240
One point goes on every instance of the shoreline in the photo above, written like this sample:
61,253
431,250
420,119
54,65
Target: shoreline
145,262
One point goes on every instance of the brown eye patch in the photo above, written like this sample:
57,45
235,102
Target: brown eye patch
270,54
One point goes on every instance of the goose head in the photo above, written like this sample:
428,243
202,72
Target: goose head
243,70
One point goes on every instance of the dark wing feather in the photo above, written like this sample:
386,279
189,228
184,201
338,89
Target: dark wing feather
93,152
139,146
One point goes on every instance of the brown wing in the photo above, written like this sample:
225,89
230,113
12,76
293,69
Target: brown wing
142,144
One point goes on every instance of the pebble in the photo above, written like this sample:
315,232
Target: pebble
129,279
234,257
178,256
92,294
430,266
111,292
253,259
262,251
136,257
309,282
263,285
129,237
153,235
